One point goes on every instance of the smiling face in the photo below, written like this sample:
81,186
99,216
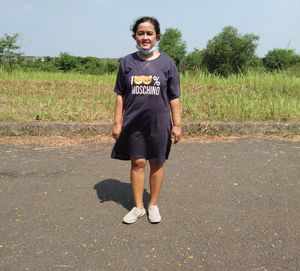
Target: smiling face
145,35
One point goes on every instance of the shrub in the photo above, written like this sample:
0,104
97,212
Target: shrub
192,62
280,59
89,65
111,66
66,62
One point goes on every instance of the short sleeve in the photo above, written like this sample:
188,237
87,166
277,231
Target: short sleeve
173,82
120,87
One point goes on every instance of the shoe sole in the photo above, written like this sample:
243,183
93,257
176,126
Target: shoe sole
154,222
131,222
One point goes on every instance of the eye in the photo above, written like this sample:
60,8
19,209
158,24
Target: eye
142,33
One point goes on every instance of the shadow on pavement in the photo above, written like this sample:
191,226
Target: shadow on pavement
119,192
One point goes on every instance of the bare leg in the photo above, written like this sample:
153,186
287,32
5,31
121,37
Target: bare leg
156,179
137,177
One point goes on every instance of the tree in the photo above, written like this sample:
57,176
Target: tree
280,59
171,43
193,61
67,62
9,51
229,52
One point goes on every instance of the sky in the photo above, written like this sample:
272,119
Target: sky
101,28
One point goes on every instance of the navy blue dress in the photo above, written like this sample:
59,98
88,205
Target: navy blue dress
147,87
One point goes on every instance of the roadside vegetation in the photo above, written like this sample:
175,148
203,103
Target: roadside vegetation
225,81
255,96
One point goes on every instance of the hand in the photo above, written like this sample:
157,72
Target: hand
116,131
176,133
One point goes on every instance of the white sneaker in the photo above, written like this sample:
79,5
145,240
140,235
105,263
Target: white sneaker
154,215
133,215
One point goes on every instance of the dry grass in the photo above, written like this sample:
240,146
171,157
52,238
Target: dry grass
86,98
99,140
57,141
24,100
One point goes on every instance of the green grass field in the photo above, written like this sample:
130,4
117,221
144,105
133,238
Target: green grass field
87,98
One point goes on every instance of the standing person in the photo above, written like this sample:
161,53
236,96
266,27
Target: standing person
147,87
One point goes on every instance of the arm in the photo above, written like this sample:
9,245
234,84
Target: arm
118,116
176,118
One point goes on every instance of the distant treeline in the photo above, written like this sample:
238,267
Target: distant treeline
277,59
68,63
227,53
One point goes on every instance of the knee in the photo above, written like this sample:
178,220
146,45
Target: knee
154,166
138,164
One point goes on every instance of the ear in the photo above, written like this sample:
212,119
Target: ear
134,36
158,37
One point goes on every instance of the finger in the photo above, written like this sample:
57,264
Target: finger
177,139
115,136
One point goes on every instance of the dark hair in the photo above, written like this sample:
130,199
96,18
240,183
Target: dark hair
144,19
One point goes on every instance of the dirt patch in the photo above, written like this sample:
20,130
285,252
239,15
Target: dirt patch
74,140
77,140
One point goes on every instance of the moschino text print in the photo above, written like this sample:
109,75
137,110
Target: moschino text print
145,85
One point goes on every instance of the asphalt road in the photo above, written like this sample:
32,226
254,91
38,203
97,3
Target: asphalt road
225,206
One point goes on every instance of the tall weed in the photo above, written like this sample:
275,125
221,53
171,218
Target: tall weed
26,96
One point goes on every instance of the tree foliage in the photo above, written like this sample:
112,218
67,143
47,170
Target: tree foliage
9,51
66,62
280,59
171,43
11,58
193,61
229,52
